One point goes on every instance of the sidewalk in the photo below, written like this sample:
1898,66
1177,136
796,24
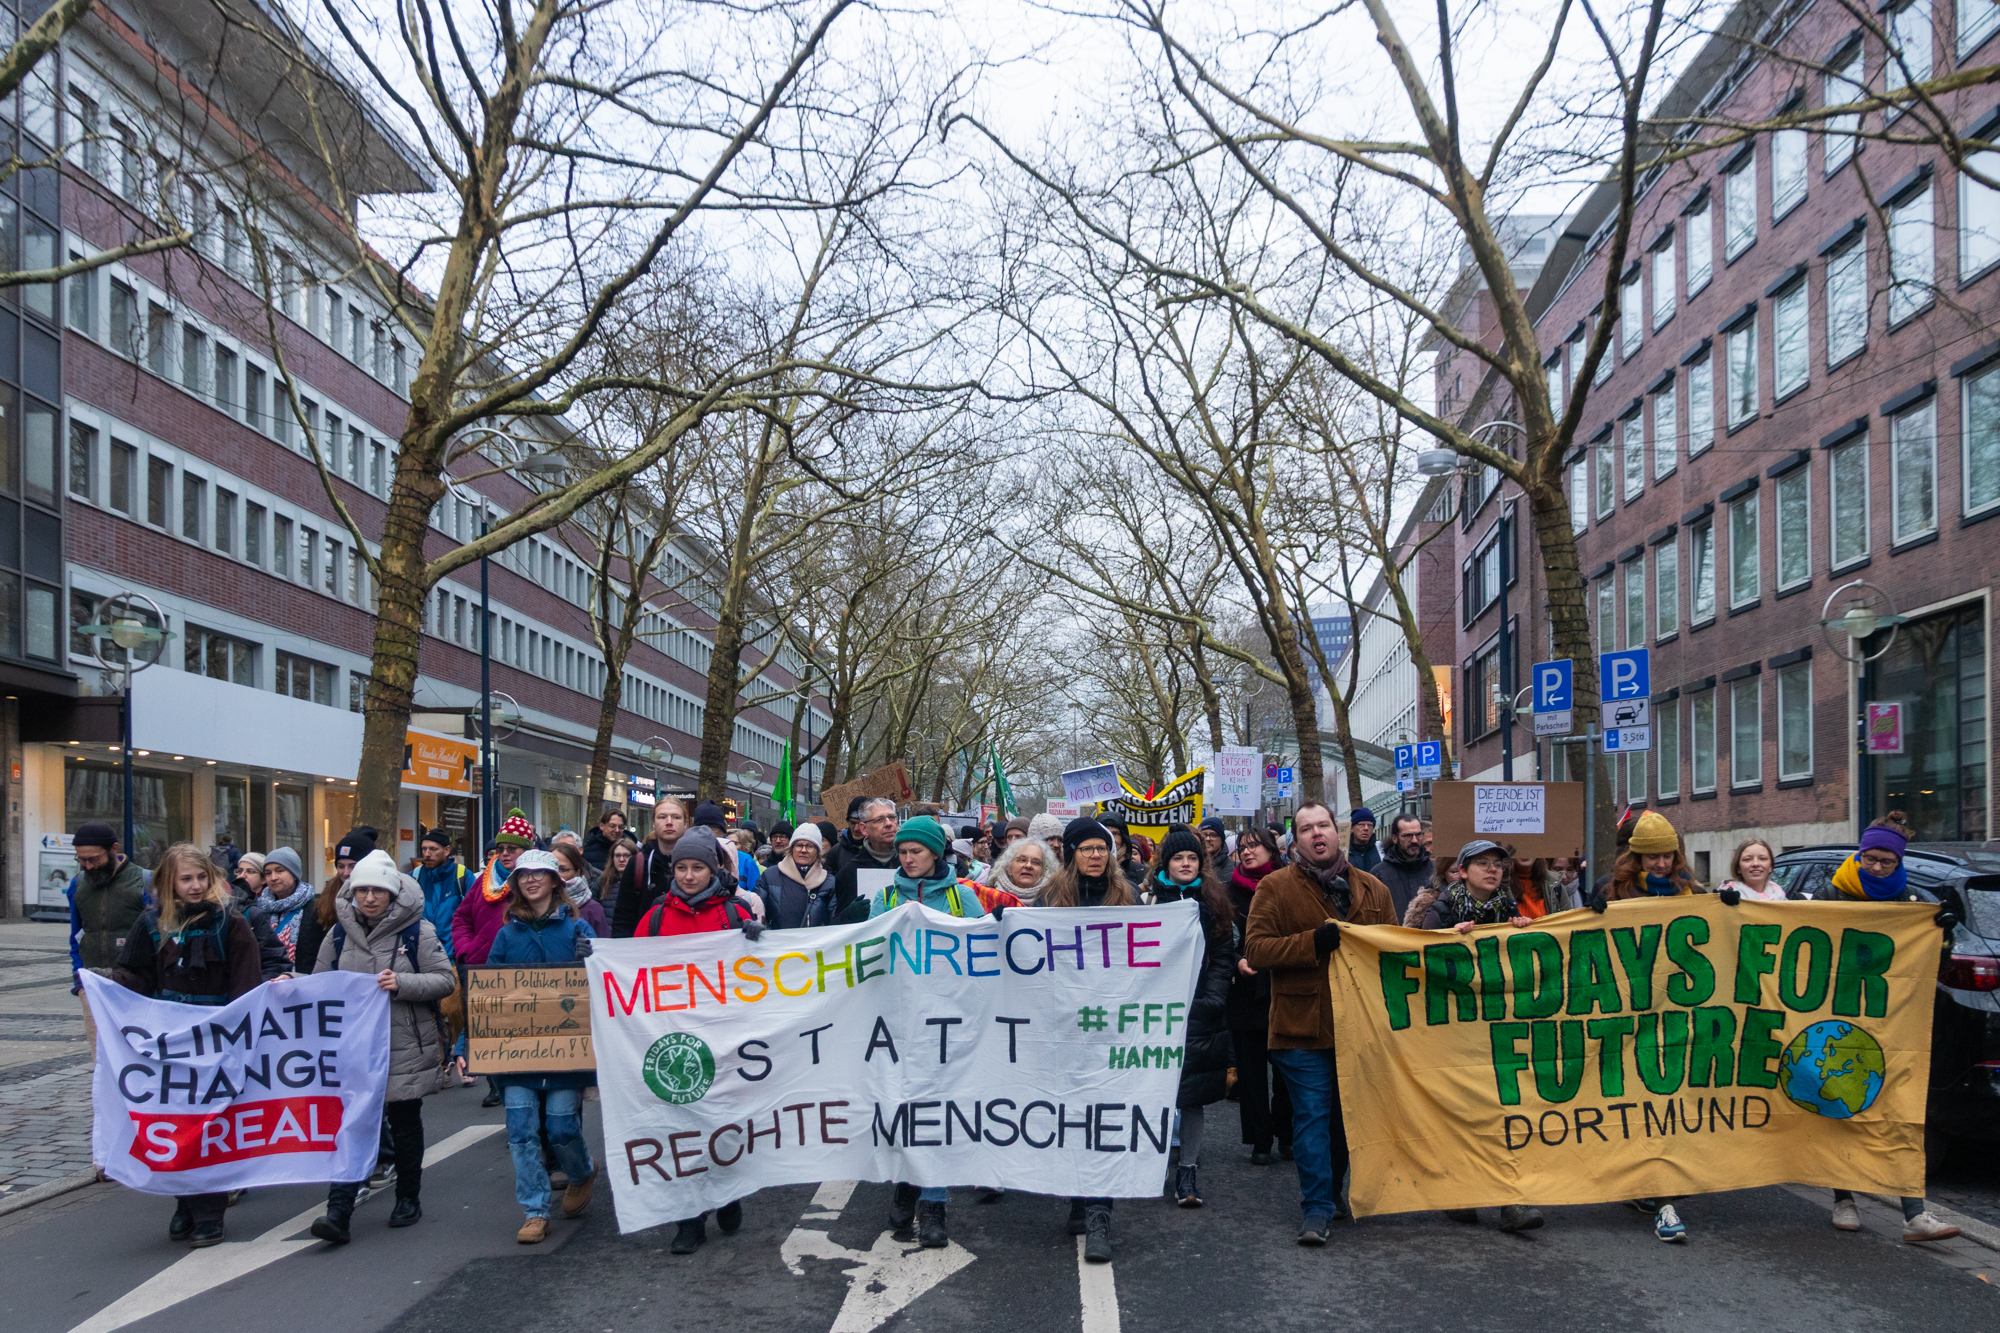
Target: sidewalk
44,1062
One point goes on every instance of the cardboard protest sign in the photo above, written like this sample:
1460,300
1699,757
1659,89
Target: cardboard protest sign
527,1020
892,782
1039,1053
281,1087
1534,818
1150,816
1667,1046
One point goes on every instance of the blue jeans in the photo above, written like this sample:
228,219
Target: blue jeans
524,1141
1319,1136
932,1194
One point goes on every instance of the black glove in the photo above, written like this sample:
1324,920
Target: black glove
1946,919
582,947
1326,938
999,910
752,929
1598,904
1730,897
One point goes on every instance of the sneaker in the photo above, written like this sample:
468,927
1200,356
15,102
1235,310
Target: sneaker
234,1197
1667,1224
183,1224
1926,1225
1186,1192
931,1233
1076,1217
1846,1217
729,1217
533,1231
1520,1217
903,1212
211,1233
576,1197
1097,1234
1314,1231
688,1236
380,1177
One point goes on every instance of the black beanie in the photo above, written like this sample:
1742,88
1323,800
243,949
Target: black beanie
709,815
1081,830
1176,842
436,835
358,842
96,833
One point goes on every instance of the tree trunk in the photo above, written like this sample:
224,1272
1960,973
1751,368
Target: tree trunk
607,720
718,728
402,587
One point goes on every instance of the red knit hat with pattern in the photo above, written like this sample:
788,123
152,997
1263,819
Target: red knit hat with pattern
516,831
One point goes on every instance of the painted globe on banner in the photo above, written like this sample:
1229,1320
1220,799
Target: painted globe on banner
1833,1069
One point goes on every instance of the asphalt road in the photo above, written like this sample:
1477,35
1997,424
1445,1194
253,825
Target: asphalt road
99,1259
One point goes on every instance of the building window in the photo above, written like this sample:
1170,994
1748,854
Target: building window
1666,433
1976,21
1607,616
131,170
1980,396
1701,249
1742,367
1482,571
1978,214
1846,303
1605,362
1746,732
1701,406
1633,444
1936,666
1739,207
1791,354
1743,551
193,348
253,398
1795,751
124,477
1482,681
1701,568
376,455
357,578
219,656
253,534
1913,472
1635,603
332,567
1666,589
82,459
1845,84
1702,741
225,379
124,320
303,678
159,337
1912,256
193,491
308,555
1788,171
1794,504
81,289
1579,497
1667,746
281,546
1909,33
159,484
1635,777
1607,481
1631,313
225,521
1663,282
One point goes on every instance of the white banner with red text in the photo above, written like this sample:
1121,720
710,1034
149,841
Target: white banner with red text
281,1087
1041,1052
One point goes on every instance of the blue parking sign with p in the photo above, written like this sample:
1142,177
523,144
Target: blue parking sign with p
1626,675
1406,757
1552,686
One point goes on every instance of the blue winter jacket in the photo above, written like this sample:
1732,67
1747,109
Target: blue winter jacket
444,889
549,942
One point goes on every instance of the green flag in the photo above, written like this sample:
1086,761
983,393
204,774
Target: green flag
781,791
1003,795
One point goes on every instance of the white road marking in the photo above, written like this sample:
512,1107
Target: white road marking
883,1279
203,1270
1099,1290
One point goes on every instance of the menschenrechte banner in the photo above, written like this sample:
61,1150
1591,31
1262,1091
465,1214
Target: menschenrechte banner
281,1087
1041,1052
1667,1046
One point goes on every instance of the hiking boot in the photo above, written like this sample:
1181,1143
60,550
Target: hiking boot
1097,1234
408,1211
493,1095
332,1228
1667,1225
1076,1219
533,1231
1185,1192
1927,1225
183,1224
930,1225
729,1217
1468,1216
576,1197
1520,1217
903,1212
688,1236
211,1233
1846,1217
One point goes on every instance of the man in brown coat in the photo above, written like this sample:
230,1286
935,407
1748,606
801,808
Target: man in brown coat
1292,929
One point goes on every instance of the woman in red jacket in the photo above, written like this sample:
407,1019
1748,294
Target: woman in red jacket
702,898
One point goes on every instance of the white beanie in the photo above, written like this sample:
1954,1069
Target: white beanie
377,870
809,833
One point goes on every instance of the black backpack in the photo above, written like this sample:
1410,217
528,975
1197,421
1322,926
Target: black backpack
410,938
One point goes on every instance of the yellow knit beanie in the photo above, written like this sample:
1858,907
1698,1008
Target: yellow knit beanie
1653,834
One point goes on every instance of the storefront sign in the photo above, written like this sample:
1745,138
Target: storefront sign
439,763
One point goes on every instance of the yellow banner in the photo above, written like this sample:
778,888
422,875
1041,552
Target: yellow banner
1668,1046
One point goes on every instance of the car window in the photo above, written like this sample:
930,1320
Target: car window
1813,879
1783,876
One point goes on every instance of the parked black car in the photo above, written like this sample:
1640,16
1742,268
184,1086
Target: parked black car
1964,1105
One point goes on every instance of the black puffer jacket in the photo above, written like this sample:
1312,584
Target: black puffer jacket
1205,1063
270,949
1249,997
1404,879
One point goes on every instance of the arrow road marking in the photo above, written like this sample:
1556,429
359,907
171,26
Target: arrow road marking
884,1278
203,1270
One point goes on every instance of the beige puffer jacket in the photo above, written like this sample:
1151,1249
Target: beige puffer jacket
416,1050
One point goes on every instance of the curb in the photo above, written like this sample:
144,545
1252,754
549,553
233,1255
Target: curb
76,1180
1970,1228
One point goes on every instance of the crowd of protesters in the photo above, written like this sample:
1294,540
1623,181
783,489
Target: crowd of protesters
1271,902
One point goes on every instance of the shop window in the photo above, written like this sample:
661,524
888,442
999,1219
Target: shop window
162,805
1936,669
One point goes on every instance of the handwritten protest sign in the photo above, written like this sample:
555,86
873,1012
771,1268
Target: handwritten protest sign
892,782
1667,1046
1505,808
523,1020
1041,1053
281,1087
1534,818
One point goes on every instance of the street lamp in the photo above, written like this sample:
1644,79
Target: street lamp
123,627
1865,609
